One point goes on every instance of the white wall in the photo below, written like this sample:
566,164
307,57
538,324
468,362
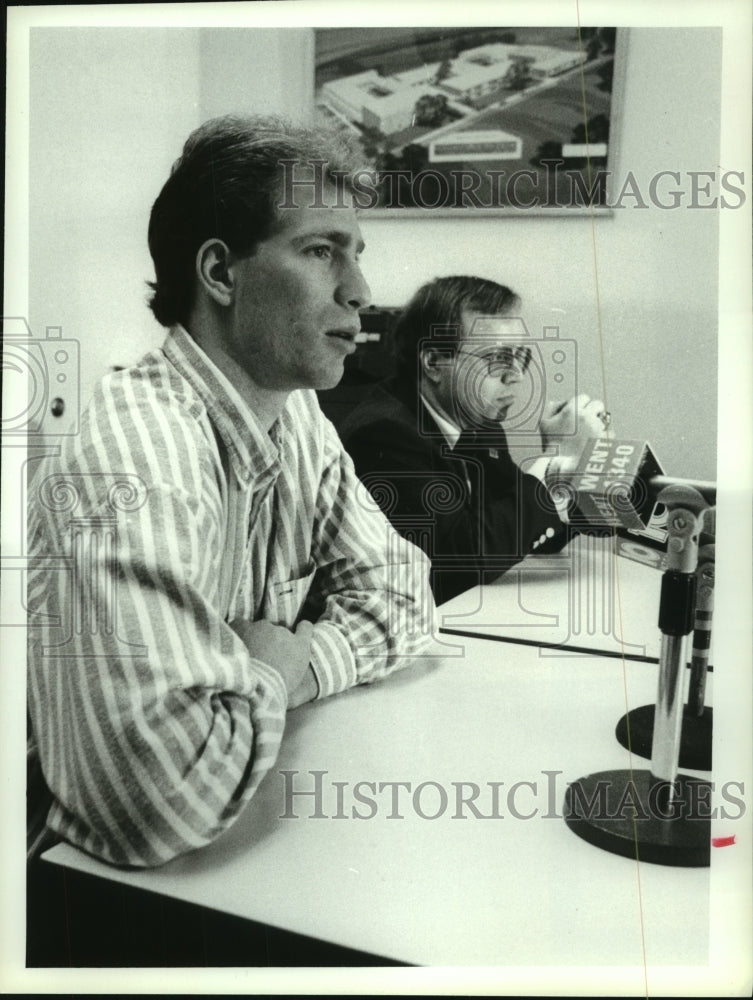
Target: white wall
110,109
263,70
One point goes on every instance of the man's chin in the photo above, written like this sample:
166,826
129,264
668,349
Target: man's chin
497,416
329,379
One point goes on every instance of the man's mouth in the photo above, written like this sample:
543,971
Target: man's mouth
347,334
503,408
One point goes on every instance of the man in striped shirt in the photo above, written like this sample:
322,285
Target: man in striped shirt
204,557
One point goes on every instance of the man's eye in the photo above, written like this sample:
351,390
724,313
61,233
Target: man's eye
322,251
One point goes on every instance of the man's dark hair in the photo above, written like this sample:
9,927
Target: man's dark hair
438,306
227,184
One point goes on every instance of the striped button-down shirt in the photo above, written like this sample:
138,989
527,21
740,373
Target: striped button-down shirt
169,515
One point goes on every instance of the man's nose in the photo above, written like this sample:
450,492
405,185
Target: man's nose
354,290
512,375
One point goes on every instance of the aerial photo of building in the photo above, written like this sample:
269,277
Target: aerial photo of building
387,103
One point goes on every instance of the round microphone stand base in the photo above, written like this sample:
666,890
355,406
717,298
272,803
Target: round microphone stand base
625,812
695,740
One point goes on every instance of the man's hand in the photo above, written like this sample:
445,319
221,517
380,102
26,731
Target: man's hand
306,691
569,426
288,652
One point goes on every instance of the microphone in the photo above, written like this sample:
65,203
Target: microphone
615,484
635,729
704,610
669,819
618,485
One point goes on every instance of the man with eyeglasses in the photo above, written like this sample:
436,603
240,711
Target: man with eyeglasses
430,443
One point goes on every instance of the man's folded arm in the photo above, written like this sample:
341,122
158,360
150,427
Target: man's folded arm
152,733
375,610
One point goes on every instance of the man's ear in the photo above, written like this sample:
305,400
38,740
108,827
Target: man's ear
215,272
433,360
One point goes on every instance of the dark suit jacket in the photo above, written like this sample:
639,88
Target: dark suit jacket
471,509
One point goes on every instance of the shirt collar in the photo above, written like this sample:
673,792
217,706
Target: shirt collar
252,451
449,429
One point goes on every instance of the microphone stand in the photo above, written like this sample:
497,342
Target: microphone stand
635,728
657,815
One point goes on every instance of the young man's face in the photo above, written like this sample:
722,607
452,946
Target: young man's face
295,313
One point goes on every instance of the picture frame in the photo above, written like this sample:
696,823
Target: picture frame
474,120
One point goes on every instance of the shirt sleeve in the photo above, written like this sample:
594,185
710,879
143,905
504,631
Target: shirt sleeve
153,723
376,612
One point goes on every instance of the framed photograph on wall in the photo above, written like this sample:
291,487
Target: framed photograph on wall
480,119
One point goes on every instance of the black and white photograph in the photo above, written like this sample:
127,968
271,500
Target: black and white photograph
376,518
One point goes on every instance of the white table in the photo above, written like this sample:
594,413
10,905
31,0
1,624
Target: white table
584,598
451,891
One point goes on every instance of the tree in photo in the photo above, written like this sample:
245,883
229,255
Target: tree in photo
443,71
431,110
518,76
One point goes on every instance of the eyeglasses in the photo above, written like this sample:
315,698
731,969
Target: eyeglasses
502,362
